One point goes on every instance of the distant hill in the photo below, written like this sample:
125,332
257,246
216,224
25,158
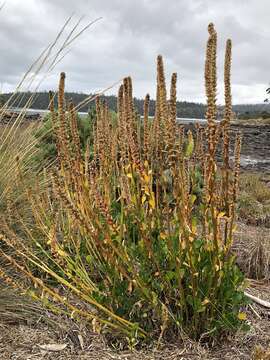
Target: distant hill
184,109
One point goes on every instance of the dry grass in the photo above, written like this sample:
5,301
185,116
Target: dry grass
252,246
254,200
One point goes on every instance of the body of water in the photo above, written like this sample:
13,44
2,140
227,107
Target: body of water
81,113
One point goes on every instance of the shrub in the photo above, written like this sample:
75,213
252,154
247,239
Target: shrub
139,232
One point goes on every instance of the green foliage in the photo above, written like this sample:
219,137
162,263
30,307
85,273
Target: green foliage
46,138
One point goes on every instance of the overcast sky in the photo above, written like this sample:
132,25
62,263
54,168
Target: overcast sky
130,36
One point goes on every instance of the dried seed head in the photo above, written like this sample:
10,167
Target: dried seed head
146,127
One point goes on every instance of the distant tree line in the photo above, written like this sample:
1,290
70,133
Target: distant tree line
41,101
185,109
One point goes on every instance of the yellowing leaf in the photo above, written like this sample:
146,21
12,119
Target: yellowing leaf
143,199
190,145
205,301
61,253
221,214
242,316
130,287
192,199
147,178
162,236
193,224
152,203
144,226
147,191
186,264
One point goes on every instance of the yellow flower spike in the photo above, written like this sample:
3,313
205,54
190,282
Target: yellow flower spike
162,236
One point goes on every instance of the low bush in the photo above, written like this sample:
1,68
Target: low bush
136,234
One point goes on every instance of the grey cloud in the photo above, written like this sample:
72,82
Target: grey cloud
130,36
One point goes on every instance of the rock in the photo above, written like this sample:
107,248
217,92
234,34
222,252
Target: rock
255,152
10,117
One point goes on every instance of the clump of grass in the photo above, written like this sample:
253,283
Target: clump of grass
139,230
259,259
253,251
254,200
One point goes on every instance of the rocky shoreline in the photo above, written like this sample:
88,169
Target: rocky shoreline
255,152
10,117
